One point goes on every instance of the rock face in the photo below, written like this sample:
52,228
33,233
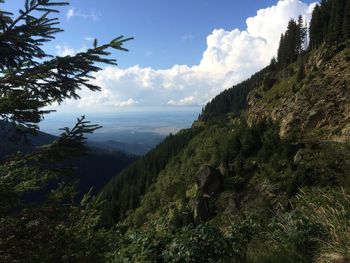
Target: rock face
209,180
200,209
209,183
321,101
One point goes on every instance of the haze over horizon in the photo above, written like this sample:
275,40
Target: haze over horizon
180,57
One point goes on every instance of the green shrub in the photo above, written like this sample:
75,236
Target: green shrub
197,244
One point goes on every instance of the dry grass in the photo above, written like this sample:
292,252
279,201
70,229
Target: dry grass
332,210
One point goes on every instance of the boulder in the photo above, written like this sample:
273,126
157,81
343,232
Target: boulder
315,116
200,209
209,180
298,157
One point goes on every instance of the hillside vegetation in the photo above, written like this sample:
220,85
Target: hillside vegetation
267,178
263,175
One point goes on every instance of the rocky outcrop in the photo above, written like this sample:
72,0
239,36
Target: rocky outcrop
209,180
321,102
200,209
209,184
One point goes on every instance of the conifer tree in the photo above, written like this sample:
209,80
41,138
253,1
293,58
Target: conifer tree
281,50
326,6
31,79
346,23
301,36
53,230
335,29
315,29
291,42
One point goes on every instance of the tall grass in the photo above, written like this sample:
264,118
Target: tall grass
332,210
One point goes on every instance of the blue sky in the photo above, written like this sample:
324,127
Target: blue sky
194,34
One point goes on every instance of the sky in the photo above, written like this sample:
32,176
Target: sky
184,52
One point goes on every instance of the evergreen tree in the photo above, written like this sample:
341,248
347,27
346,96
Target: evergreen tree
54,230
31,79
325,7
315,30
335,29
291,42
301,72
281,50
346,23
301,36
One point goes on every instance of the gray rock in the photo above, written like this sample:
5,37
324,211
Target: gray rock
298,157
200,209
209,180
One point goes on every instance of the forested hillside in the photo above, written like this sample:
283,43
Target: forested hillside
267,178
263,175
123,193
91,171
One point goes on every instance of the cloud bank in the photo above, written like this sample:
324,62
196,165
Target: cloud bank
230,57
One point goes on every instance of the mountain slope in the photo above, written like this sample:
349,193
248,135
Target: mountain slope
267,178
286,156
26,144
318,102
124,192
93,170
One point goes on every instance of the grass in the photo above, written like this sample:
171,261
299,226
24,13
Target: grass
332,210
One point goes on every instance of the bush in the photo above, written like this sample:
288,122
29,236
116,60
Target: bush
197,244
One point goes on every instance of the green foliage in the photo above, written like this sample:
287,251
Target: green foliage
30,78
27,173
292,42
54,232
301,73
52,229
330,23
315,30
201,243
336,21
297,233
346,23
330,209
240,235
233,100
123,193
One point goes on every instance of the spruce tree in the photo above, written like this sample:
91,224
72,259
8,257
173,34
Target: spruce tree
315,30
54,229
325,8
31,79
335,30
281,50
291,42
301,35
346,22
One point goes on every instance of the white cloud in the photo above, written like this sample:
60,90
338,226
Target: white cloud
64,50
73,12
188,101
70,13
90,39
231,56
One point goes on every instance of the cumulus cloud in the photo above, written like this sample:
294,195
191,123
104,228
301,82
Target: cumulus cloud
188,101
231,56
64,50
73,12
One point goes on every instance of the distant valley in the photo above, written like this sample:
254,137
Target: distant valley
133,133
